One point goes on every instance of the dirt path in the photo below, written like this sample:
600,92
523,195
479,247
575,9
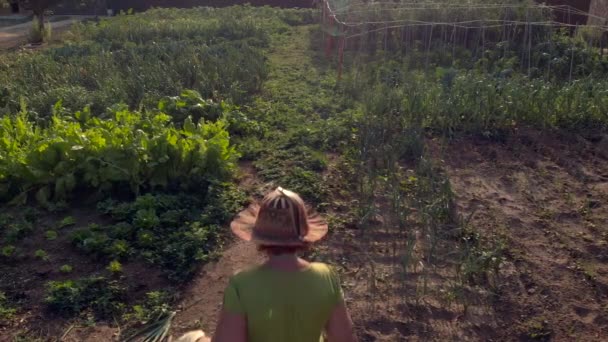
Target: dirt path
202,300
545,196
16,35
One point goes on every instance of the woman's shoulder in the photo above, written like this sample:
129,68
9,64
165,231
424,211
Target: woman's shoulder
329,275
255,273
246,273
321,267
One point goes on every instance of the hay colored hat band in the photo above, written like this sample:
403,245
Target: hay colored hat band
280,219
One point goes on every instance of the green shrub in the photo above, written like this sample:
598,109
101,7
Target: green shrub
91,241
104,297
296,168
184,251
297,175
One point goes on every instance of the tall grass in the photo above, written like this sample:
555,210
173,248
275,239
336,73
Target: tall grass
453,100
137,59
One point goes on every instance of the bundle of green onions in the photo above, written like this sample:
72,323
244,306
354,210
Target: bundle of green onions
156,331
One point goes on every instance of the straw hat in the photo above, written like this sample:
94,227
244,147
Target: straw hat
281,219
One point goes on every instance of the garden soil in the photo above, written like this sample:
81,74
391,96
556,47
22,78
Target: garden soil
543,194
546,195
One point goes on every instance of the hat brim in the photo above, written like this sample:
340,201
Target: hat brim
244,223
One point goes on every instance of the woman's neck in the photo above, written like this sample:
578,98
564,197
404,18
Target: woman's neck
286,262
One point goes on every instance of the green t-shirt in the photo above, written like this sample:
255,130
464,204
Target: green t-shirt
284,306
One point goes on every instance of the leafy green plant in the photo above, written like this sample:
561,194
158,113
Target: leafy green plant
51,235
114,267
66,222
222,201
185,250
42,255
190,104
118,211
295,170
146,219
154,306
86,152
8,251
66,269
119,249
104,297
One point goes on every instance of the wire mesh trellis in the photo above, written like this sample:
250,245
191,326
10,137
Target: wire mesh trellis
522,28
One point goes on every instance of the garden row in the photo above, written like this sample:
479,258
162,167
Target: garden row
139,59
451,100
139,151
142,118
